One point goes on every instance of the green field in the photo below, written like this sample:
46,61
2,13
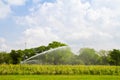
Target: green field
58,77
58,70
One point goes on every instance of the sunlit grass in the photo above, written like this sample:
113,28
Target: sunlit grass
58,77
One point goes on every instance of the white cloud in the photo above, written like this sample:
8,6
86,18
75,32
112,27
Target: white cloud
74,22
34,37
16,2
3,45
39,35
5,6
2,40
106,3
4,10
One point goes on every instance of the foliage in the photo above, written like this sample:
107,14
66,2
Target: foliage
76,60
58,70
89,56
40,49
103,57
114,57
55,44
28,53
58,56
2,57
16,56
19,55
5,58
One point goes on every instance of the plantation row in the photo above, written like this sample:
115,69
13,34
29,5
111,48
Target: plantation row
58,70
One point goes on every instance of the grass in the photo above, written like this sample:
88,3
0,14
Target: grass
58,77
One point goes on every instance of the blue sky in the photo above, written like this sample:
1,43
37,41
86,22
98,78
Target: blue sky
79,23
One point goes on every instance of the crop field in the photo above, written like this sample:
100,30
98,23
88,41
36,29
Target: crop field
59,77
58,70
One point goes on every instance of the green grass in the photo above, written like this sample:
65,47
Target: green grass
58,77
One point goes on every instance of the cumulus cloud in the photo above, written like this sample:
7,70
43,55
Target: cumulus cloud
3,45
4,10
16,2
34,37
74,22
5,7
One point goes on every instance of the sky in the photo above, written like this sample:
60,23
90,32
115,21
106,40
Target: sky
78,23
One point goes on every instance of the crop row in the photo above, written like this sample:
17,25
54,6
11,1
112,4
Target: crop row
58,70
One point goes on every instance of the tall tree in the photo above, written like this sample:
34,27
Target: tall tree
16,56
114,57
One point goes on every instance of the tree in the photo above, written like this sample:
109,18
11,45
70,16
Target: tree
16,56
56,56
89,56
40,49
2,57
55,44
114,57
8,59
76,60
28,53
59,56
104,57
5,58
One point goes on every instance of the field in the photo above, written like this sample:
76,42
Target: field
59,72
58,77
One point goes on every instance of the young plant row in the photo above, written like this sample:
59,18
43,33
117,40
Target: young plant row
58,70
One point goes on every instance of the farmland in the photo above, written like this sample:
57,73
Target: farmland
58,70
58,77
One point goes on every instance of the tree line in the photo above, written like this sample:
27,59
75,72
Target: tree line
16,56
86,56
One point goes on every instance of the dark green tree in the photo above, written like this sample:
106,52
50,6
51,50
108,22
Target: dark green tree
40,49
114,57
16,56
5,58
28,53
55,44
